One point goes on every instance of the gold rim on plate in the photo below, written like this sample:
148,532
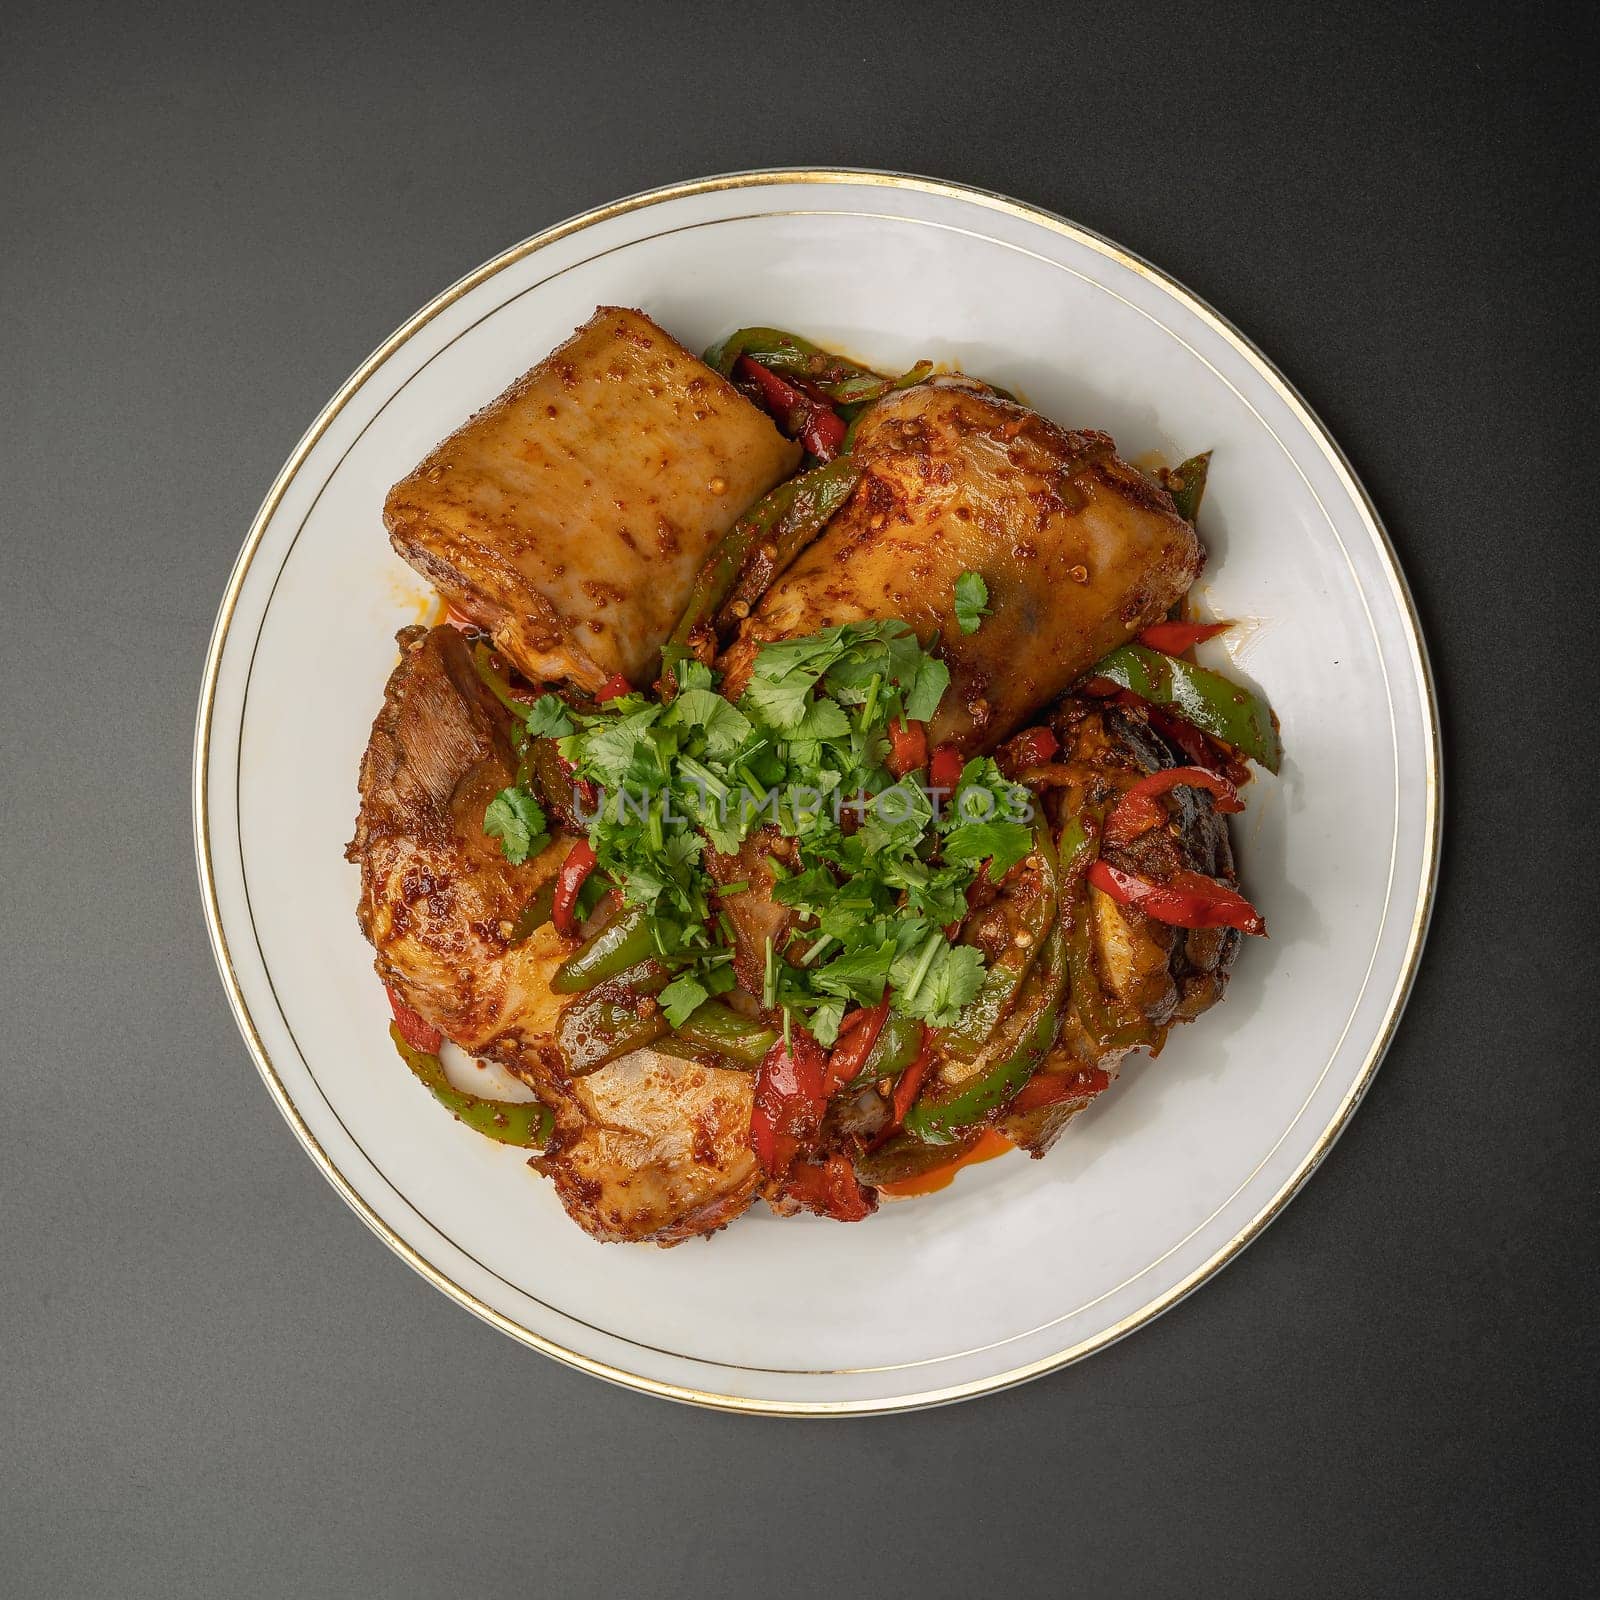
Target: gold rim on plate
864,178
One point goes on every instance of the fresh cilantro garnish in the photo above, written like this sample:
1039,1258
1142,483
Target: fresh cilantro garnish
516,819
681,997
987,819
873,872
972,601
549,718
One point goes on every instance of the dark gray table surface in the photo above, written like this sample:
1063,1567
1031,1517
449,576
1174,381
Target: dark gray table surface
214,1380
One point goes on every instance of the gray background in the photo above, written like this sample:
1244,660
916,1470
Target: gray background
214,1380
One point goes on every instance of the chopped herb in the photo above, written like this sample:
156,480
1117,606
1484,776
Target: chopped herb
516,819
972,601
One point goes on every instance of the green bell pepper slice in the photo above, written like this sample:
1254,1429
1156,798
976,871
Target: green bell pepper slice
1004,977
536,913
789,517
527,1124
624,942
898,1044
945,1116
1213,703
903,1157
1186,483
818,494
715,1027
613,1021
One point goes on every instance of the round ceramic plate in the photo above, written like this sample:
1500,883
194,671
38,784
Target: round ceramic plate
1021,1266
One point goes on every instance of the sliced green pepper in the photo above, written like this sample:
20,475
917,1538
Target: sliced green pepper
716,1027
553,781
1213,703
944,1116
527,1124
1111,1023
903,1157
613,1020
848,386
898,1044
1004,977
497,686
624,942
812,507
789,517
536,913
1186,483
843,381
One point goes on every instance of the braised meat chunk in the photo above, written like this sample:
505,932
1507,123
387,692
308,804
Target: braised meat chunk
646,1148
439,901
651,1148
1078,551
569,516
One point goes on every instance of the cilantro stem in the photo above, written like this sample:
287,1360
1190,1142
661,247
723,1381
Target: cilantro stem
872,702
769,977
908,994
816,950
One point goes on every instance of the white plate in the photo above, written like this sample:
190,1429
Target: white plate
1020,1266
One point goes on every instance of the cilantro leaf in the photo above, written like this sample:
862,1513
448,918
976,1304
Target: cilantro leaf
825,1020
1002,844
859,974
972,601
681,997
549,718
516,819
952,981
926,690
724,727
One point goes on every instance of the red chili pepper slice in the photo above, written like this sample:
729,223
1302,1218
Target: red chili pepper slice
1189,900
1140,809
817,426
1176,637
853,1020
789,1101
850,1054
1047,1088
575,869
1033,747
829,1188
416,1032
613,688
908,1085
945,767
908,746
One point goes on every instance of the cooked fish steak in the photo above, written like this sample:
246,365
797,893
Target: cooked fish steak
569,516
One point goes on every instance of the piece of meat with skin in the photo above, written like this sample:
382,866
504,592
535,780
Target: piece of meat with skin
1076,558
646,1147
570,515
438,898
652,1149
